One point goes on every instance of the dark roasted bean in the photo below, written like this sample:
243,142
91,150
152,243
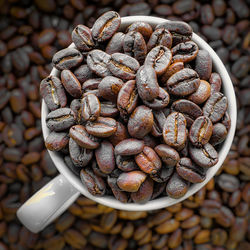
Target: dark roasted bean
109,109
203,64
163,175
67,58
116,43
82,38
83,73
160,37
119,195
120,134
228,182
105,26
91,86
215,82
202,93
60,119
219,134
144,28
56,141
123,66
183,82
129,147
172,69
167,154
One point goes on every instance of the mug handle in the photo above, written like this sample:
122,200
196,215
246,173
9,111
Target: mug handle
47,204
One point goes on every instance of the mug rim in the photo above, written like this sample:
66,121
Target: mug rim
165,201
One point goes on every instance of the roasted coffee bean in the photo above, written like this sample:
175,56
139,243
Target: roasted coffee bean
119,195
189,171
172,69
163,175
135,46
71,84
105,157
202,93
82,38
83,73
53,93
159,58
109,109
12,135
184,52
174,130
176,186
148,161
109,88
129,147
91,87
215,82
93,182
79,134
80,156
200,131
160,37
219,134
226,121
106,26
56,141
116,43
159,121
125,163
123,66
180,31
127,98
131,181
190,110
183,82
147,84
206,156
60,119
160,102
101,127
140,122
215,107
91,107
144,193
120,134
67,58
203,64
228,182
98,61
144,28
167,154
76,107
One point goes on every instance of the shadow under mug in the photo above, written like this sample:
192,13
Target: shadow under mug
56,196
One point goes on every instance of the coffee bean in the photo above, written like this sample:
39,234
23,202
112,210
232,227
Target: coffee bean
219,134
129,147
109,109
83,73
202,93
116,43
91,87
203,64
119,195
56,141
168,155
144,28
125,163
228,183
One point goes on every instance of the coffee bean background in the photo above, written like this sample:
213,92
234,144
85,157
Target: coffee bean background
216,217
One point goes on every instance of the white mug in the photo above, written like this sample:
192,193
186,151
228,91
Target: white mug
55,197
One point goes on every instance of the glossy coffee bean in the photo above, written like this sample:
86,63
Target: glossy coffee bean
119,195
129,147
215,82
79,134
53,93
91,107
131,181
101,127
140,122
172,69
148,161
174,130
176,186
135,46
105,26
105,157
200,131
93,182
226,121
71,84
163,175
82,38
67,58
123,66
144,28
167,154
60,119
184,52
160,37
79,156
219,134
189,109
91,87
98,61
109,109
206,156
127,98
56,141
183,82
83,73
189,171
116,43
203,64
202,93
109,88
120,134
125,163
180,31
147,84
159,58
215,107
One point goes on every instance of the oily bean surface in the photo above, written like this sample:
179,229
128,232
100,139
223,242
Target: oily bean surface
115,44
91,107
202,93
160,37
167,154
129,147
143,27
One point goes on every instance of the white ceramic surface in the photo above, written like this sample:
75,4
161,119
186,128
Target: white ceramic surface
71,179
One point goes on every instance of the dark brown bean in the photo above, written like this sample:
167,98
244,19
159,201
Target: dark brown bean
91,87
228,183
129,147
202,93
160,37
219,134
83,73
144,28
109,109
56,141
168,155
125,163
119,195
163,175
116,43
120,134
203,64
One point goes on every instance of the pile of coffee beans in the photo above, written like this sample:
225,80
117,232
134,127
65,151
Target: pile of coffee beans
30,34
139,112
